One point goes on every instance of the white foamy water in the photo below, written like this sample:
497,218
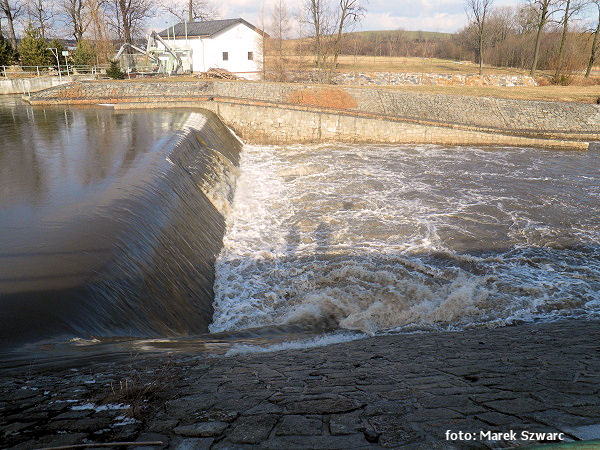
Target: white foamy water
375,238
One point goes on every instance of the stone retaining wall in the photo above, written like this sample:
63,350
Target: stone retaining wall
438,119
264,124
435,79
504,114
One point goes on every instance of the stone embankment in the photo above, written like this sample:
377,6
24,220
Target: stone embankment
396,391
287,113
431,79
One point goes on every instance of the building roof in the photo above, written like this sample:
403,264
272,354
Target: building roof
206,28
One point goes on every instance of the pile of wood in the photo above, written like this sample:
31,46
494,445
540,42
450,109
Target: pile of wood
221,74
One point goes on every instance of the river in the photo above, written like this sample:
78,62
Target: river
124,227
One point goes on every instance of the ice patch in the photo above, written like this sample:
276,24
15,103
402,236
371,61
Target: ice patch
97,408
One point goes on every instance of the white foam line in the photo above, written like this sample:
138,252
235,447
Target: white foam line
321,341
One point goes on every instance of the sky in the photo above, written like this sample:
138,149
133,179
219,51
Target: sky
424,15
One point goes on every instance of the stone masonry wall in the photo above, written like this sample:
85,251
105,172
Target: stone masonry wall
435,79
504,115
258,124
476,111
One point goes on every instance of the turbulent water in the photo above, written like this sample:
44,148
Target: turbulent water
113,223
376,238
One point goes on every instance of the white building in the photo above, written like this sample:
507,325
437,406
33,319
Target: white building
231,44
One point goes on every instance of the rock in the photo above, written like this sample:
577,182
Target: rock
202,429
585,432
151,437
252,429
333,405
353,441
193,444
345,424
299,425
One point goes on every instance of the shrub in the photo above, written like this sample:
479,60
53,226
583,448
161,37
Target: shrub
114,71
33,49
7,53
84,54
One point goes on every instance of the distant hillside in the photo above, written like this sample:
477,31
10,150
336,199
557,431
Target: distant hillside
409,35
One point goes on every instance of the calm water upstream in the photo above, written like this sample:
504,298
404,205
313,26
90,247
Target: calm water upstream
107,232
105,228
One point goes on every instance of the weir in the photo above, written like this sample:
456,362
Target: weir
288,113
158,230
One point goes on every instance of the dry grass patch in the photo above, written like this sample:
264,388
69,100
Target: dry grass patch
323,97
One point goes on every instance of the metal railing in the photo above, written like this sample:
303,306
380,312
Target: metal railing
45,71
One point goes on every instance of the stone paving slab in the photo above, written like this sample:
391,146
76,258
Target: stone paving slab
395,391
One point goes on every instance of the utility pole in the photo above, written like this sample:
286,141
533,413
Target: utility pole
55,53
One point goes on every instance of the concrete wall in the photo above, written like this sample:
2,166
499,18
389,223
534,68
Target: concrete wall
26,85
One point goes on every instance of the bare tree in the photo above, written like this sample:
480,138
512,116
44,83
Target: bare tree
76,15
41,14
595,42
570,8
99,29
133,15
192,10
477,11
280,22
544,10
316,15
11,10
262,42
350,12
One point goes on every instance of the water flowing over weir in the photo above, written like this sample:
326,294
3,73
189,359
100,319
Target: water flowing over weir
111,222
373,238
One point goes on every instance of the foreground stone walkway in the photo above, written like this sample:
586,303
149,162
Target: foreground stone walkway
393,391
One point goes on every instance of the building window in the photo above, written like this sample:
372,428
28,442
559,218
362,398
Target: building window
225,56
250,56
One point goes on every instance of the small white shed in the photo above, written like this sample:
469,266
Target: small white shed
231,44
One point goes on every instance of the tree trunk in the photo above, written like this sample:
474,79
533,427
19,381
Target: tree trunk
563,39
594,48
480,52
338,40
191,11
318,42
127,38
538,38
11,26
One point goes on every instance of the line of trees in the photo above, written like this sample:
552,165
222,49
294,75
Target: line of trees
547,34
96,26
558,35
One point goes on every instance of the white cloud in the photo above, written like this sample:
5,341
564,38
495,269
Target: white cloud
435,22
425,15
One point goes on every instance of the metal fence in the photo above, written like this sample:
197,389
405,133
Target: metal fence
70,70
55,71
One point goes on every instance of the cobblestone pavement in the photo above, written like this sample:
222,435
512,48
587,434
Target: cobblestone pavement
388,391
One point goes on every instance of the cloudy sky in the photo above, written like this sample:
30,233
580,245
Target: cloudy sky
427,15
